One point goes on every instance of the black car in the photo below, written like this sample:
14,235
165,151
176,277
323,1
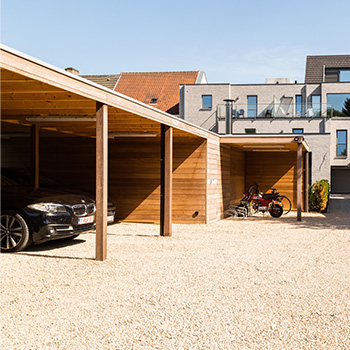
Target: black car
43,214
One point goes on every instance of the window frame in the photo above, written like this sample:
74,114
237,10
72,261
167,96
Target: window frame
298,105
211,101
316,105
342,144
347,70
334,75
249,109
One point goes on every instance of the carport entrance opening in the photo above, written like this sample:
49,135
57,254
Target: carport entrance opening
271,163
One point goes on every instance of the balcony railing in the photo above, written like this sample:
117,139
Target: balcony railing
292,110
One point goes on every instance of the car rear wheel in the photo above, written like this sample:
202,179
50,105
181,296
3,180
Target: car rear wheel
15,235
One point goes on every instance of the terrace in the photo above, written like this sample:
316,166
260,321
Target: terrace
275,110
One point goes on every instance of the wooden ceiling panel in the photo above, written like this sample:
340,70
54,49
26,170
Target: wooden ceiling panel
24,98
45,96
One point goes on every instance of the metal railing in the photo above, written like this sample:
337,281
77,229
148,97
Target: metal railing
292,110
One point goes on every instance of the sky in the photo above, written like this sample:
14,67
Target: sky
238,42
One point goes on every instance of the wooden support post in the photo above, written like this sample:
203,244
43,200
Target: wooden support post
166,176
34,136
306,182
299,178
101,180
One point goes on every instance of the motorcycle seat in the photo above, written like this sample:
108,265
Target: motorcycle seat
270,195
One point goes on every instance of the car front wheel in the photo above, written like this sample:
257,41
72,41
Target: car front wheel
15,234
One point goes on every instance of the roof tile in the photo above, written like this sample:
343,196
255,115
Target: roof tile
163,86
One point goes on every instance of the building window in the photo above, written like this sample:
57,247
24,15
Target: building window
344,75
298,131
316,105
342,139
298,105
206,101
336,75
338,105
250,131
252,106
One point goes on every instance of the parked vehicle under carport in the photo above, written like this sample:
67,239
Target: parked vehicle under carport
39,215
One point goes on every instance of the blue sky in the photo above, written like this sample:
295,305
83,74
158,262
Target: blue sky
232,41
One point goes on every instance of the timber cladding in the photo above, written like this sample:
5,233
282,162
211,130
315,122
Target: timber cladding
273,169
226,178
133,173
215,207
134,180
237,175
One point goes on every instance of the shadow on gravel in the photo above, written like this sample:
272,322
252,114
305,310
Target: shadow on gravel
52,245
131,235
334,221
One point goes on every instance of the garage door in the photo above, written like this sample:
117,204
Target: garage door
340,180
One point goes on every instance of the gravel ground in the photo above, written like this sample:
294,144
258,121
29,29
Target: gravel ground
257,283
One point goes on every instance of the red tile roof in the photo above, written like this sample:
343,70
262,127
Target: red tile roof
163,86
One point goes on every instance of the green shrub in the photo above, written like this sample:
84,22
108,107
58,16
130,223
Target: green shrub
318,196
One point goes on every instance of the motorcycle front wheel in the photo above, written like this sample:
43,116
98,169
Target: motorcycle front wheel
276,210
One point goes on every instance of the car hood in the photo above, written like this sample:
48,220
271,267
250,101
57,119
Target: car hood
21,196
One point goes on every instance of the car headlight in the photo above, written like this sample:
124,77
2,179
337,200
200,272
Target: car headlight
50,208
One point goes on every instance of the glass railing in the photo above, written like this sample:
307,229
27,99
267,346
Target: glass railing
292,110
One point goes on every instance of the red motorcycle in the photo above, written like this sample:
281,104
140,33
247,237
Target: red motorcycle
255,201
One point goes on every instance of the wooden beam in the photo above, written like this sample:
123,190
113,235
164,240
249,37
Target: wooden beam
47,78
34,135
101,180
299,178
166,195
306,182
256,140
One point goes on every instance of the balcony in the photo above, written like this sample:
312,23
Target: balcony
292,110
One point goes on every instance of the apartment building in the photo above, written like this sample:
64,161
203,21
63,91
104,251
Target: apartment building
319,109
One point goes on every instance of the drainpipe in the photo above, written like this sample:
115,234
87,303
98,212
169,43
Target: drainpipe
228,103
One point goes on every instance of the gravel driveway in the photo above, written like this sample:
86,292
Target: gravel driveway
257,283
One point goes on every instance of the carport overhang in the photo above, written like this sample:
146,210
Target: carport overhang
42,96
280,144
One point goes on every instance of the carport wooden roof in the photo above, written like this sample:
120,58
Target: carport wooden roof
265,142
33,91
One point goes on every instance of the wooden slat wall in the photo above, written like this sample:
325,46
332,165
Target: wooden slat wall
189,181
214,182
273,169
237,175
134,173
225,155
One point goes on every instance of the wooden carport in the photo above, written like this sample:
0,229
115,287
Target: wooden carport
272,161
187,161
42,97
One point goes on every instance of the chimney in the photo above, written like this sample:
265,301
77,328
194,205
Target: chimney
72,70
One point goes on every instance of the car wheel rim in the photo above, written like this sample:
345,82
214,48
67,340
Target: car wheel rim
11,232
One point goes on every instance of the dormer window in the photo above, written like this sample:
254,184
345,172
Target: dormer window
336,75
154,101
